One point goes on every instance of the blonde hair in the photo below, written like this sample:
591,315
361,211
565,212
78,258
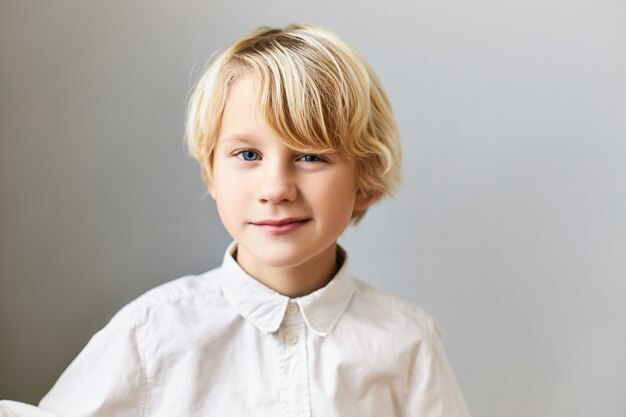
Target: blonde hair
317,94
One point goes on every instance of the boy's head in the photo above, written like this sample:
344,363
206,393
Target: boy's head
315,92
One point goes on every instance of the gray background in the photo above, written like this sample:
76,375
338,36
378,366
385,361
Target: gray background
510,227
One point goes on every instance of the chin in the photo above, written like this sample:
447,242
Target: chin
283,260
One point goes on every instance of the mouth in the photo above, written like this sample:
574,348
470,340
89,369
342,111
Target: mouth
279,222
280,226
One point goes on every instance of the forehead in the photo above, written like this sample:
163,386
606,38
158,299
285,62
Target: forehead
241,111
243,121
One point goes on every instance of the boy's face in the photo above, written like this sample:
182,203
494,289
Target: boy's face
257,181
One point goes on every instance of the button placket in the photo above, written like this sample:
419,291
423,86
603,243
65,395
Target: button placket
293,368
292,308
291,338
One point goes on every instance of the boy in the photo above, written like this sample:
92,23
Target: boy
295,139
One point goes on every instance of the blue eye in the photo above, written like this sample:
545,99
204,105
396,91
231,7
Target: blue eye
311,158
248,155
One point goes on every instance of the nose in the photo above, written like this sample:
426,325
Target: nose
277,185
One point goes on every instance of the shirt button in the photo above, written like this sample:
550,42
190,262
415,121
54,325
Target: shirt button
291,338
292,308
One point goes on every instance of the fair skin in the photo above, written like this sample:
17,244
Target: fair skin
258,180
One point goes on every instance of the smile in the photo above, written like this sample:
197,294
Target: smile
282,226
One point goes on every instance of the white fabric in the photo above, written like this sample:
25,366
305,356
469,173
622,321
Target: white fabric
222,344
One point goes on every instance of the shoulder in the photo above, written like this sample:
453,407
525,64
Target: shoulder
183,288
181,296
398,315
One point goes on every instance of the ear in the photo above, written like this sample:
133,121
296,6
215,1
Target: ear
362,200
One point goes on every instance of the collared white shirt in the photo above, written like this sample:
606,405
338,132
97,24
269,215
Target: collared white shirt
223,344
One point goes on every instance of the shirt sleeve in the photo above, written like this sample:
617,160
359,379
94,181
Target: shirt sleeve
17,409
435,392
107,378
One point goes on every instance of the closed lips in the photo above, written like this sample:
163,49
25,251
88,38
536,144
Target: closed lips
280,222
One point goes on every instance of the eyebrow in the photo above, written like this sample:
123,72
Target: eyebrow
239,137
251,139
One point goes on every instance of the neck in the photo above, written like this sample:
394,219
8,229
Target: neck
295,281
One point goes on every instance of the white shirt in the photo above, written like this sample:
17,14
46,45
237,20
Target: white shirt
223,344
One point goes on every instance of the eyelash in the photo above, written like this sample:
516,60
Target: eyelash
240,152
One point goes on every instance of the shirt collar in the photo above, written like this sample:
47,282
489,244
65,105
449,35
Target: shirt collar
266,308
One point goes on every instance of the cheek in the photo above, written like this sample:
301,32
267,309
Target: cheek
334,197
228,195
230,214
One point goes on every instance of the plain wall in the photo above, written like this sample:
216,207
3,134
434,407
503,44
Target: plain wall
509,228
